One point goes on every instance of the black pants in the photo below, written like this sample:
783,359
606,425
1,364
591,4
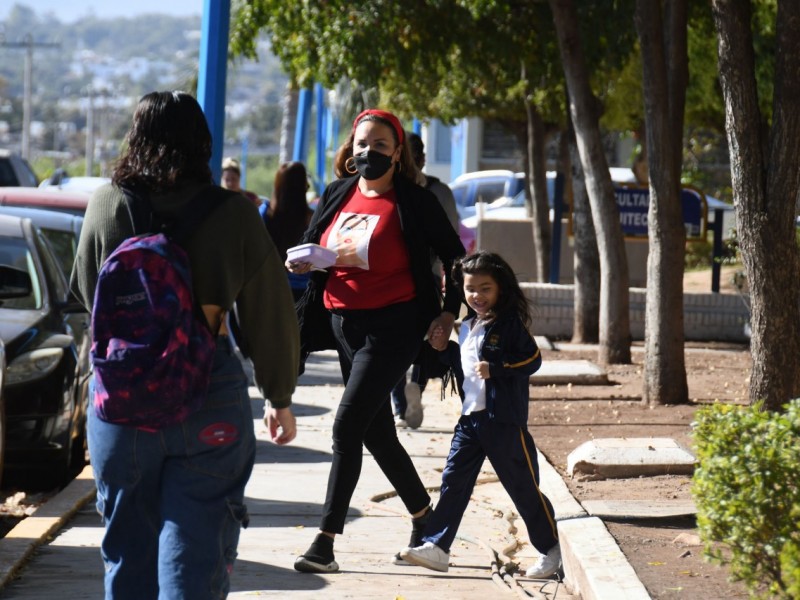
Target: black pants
375,348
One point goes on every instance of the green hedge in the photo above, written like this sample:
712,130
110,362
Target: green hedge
747,491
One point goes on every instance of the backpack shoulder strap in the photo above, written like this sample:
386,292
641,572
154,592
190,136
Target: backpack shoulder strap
139,209
197,209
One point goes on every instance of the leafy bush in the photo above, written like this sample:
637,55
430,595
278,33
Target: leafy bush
747,491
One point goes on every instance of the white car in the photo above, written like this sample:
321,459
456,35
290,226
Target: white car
513,207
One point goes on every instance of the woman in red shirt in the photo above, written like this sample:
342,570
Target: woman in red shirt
380,303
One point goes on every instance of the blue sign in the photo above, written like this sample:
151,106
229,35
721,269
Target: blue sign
633,204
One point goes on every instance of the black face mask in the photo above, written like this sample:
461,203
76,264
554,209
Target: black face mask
372,164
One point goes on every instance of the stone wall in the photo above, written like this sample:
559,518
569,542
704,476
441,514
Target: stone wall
706,317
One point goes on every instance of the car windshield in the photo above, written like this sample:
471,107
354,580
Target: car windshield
14,252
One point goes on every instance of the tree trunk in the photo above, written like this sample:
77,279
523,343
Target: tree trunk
614,330
586,259
766,182
291,98
662,36
537,182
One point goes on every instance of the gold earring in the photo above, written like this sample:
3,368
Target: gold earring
350,166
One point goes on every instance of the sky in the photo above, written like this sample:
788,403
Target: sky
69,11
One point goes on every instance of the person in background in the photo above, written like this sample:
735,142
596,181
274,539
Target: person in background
407,397
172,500
498,356
287,215
380,308
231,179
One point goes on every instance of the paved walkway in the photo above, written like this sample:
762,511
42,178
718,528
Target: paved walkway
284,498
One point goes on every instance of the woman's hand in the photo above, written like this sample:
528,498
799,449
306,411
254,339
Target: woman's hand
440,330
299,268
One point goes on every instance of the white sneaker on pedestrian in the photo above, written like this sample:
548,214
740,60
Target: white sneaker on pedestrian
400,422
428,555
414,412
547,565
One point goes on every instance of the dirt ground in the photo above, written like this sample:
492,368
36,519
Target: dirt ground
565,416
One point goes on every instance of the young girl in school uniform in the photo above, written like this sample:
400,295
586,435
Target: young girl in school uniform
498,355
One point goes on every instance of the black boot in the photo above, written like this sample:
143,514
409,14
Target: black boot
318,558
417,531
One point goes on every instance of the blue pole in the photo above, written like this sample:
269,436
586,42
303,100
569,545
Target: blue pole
558,211
416,126
716,253
319,93
212,72
334,141
243,164
301,128
457,144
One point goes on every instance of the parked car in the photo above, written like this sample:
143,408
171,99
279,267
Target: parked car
49,197
43,396
62,181
61,229
480,185
15,170
484,186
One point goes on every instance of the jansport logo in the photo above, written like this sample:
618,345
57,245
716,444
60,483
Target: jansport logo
129,299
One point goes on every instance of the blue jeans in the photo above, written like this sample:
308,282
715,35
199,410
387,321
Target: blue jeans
173,501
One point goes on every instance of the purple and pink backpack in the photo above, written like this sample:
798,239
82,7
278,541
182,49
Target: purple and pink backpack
152,348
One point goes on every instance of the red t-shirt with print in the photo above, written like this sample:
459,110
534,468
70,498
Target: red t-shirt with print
372,268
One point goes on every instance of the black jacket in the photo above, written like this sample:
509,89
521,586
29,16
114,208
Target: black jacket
425,229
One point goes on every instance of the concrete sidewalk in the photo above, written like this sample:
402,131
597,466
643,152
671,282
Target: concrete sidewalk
284,498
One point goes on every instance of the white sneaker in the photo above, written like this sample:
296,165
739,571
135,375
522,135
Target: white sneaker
413,414
428,555
400,423
547,565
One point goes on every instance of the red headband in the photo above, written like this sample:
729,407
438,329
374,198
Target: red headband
386,116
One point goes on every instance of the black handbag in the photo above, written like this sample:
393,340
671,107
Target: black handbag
314,320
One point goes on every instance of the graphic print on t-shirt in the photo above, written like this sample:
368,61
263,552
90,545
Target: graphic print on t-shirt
350,236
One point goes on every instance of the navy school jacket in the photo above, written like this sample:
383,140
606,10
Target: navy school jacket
513,357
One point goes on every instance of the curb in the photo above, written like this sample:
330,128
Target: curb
33,531
594,566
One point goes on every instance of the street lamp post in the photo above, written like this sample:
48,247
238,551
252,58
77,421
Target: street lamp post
90,131
28,44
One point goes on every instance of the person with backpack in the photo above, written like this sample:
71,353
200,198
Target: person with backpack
170,483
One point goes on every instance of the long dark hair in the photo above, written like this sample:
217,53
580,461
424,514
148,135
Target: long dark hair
510,298
288,214
168,141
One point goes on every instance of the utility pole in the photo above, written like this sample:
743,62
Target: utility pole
29,45
90,132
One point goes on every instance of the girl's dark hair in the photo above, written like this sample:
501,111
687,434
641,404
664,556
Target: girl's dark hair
406,167
288,214
168,141
511,299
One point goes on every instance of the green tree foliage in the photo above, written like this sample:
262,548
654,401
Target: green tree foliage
747,494
445,58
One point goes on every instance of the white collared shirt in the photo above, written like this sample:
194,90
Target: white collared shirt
471,339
